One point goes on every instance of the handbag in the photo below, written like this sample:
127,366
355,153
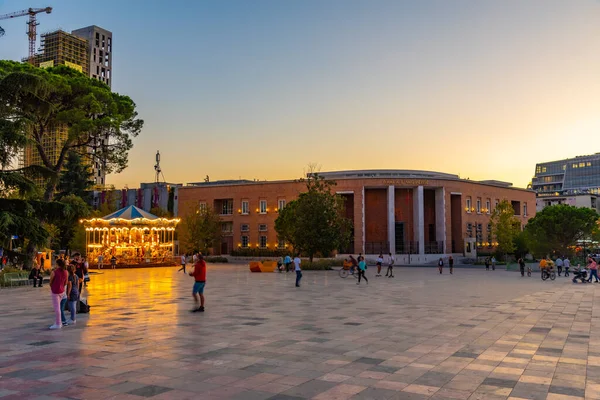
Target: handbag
86,277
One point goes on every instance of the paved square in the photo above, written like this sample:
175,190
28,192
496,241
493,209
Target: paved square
471,335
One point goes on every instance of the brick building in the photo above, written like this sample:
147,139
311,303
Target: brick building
417,215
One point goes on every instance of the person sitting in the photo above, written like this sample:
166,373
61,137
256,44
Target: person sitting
36,275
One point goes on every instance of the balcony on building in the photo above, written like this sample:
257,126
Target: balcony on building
224,207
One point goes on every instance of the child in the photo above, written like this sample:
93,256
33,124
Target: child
199,274
379,263
390,270
362,266
72,293
58,280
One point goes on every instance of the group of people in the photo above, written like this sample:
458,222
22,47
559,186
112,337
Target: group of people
286,263
66,282
450,264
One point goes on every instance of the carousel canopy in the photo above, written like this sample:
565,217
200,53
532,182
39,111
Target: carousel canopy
129,213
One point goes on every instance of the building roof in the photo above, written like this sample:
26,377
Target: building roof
129,213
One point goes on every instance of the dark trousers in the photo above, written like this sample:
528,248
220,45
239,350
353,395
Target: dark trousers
298,277
362,273
593,274
182,268
287,267
390,271
37,280
522,271
559,269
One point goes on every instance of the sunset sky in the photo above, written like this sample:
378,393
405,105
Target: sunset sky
260,89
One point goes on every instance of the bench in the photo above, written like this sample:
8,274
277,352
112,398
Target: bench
18,277
263,266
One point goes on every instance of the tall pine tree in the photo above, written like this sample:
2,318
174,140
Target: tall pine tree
76,179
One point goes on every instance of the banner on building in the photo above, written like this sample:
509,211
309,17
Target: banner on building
47,64
74,66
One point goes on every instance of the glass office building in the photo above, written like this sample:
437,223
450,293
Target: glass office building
572,176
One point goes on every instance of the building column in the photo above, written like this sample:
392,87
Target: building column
440,217
362,219
419,218
392,219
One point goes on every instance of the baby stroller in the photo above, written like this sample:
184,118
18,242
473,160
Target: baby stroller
580,273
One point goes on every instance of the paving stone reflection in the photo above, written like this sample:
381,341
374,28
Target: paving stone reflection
472,335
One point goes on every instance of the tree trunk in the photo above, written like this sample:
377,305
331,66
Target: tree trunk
30,252
49,193
310,257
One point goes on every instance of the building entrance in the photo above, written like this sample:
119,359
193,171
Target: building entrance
399,235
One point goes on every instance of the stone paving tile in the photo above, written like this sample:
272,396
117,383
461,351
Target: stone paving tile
497,336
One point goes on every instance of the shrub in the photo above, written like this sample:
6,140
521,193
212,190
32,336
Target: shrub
256,252
216,259
320,265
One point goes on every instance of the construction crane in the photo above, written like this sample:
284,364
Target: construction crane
32,32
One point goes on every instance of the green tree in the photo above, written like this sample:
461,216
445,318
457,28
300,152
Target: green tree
76,178
520,241
314,223
42,101
200,230
558,228
75,208
505,227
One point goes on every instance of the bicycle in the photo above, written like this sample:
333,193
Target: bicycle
548,273
348,269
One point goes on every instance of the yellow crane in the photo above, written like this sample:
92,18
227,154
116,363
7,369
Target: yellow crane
32,24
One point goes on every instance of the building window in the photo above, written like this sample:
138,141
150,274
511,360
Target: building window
263,207
488,206
524,209
227,227
227,207
245,207
468,208
478,205
262,242
202,206
245,227
262,227
280,204
280,244
245,242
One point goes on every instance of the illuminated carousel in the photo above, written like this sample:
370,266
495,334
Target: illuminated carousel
133,236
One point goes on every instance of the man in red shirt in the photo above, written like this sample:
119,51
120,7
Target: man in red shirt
199,274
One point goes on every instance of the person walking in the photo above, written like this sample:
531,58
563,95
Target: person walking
493,263
390,271
113,262
379,264
559,265
183,262
440,265
567,265
72,294
36,275
199,274
362,267
100,261
521,265
593,266
487,263
58,280
298,270
451,264
288,262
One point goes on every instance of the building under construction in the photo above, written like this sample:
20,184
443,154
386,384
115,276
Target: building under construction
62,48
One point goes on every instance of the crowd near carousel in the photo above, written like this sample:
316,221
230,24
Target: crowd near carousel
130,237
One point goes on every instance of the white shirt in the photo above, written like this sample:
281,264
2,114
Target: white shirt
567,263
391,260
194,259
183,259
297,264
380,259
559,262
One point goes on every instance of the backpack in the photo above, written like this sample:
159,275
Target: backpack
84,308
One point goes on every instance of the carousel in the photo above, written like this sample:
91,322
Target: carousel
133,236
